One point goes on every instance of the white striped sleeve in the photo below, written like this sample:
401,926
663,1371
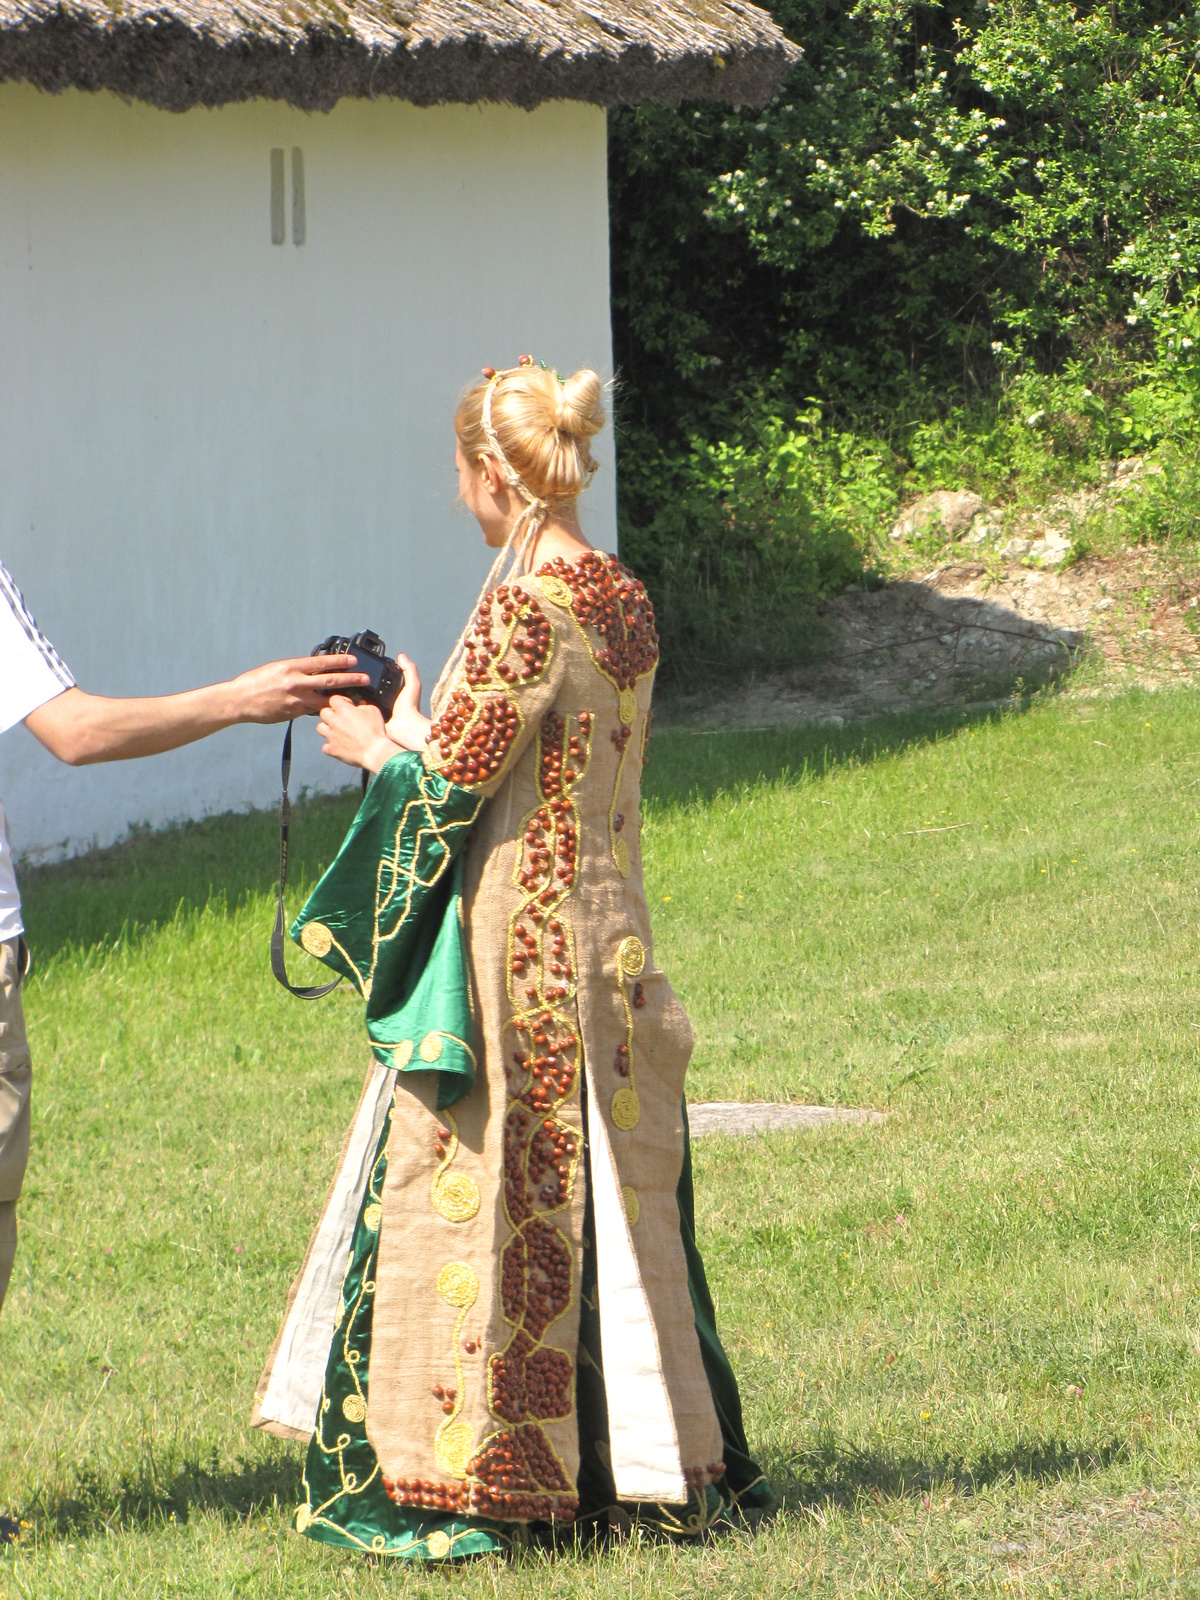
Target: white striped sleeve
31,669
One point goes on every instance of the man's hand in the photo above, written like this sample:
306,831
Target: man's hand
81,728
285,689
355,734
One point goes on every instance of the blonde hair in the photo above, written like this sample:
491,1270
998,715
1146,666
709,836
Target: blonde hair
542,424
536,425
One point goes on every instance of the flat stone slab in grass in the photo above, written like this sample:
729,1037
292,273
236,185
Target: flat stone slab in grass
764,1116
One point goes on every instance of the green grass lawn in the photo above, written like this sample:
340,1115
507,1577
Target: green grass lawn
967,1337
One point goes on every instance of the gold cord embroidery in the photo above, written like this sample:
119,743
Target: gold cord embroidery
626,1109
354,1406
316,939
397,881
554,589
458,1286
631,956
616,821
457,1197
633,1206
454,1195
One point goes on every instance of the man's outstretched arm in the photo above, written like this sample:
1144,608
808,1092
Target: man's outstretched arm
81,728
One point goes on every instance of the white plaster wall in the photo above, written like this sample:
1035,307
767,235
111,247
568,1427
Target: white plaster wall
215,450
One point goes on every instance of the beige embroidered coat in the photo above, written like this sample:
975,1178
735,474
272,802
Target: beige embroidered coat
471,1388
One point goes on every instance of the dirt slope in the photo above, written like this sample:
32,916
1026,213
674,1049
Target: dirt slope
973,631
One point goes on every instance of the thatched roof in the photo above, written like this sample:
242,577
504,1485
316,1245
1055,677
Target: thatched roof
181,53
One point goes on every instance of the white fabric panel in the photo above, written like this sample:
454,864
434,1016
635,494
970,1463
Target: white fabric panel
294,1392
646,1462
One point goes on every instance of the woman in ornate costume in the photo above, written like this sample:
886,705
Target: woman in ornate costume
502,1322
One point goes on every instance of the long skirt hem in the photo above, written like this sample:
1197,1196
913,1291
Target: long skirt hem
347,1506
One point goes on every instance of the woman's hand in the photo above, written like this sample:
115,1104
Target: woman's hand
408,728
355,734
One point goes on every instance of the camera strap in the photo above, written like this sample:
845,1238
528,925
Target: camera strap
285,820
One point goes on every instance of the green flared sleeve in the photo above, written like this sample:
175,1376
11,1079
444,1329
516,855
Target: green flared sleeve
387,915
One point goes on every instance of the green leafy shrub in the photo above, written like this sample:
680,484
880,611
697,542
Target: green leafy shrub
969,231
748,537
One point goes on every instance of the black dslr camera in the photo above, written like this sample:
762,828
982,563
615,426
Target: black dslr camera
370,656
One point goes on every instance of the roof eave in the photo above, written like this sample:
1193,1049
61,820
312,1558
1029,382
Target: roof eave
167,64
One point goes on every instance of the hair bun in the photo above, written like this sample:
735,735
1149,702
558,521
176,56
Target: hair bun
580,412
542,425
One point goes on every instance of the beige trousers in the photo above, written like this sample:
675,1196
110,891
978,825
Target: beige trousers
15,1078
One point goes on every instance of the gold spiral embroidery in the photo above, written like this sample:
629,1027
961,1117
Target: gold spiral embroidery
316,939
631,956
453,1195
458,1286
626,1109
456,1197
431,1047
554,589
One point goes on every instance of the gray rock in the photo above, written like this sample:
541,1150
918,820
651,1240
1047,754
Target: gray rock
955,509
1008,1547
1016,548
984,530
1051,550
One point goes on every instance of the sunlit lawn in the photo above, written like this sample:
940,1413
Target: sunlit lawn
967,1338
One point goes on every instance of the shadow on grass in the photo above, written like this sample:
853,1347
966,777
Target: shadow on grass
834,1473
837,1472
128,890
132,888
148,1498
686,767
